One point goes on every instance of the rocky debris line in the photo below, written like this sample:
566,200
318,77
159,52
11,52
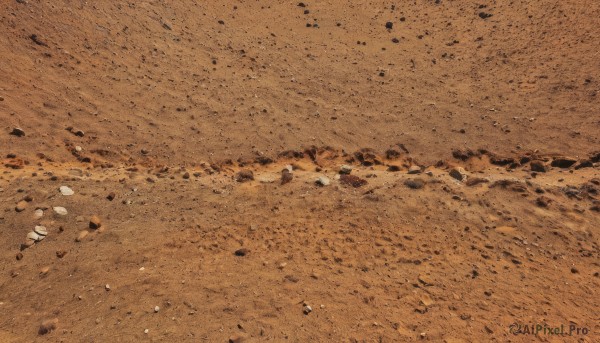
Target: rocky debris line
537,163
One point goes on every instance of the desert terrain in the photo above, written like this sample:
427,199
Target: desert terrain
331,171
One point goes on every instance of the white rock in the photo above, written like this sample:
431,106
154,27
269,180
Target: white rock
323,181
345,169
39,213
41,230
64,190
60,210
414,169
146,331
156,309
34,236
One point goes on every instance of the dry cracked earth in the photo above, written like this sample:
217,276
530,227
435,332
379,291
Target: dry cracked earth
331,171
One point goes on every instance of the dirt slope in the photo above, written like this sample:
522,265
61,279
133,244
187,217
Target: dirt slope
169,78
194,133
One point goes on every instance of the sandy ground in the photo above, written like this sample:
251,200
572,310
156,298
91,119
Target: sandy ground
192,136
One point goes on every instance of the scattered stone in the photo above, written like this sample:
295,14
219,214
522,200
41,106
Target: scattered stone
584,164
426,300
146,331
414,169
95,223
82,235
64,190
33,236
538,166
307,309
61,211
414,183
21,206
41,230
484,15
111,196
543,201
107,287
17,132
507,230
473,181
393,168
389,25
563,162
61,253
352,180
236,339
156,309
19,256
186,176
286,176
574,270
48,326
345,169
426,280
242,252
39,213
244,176
458,173
323,181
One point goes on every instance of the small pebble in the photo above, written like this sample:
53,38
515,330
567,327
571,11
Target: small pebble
95,223
60,210
64,190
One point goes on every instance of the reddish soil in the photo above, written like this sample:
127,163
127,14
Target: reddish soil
173,123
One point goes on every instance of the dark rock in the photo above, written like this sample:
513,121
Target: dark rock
242,252
414,183
17,132
111,196
584,164
352,180
48,326
389,25
563,162
473,181
458,173
286,176
95,223
538,166
37,40
244,176
543,201
484,15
